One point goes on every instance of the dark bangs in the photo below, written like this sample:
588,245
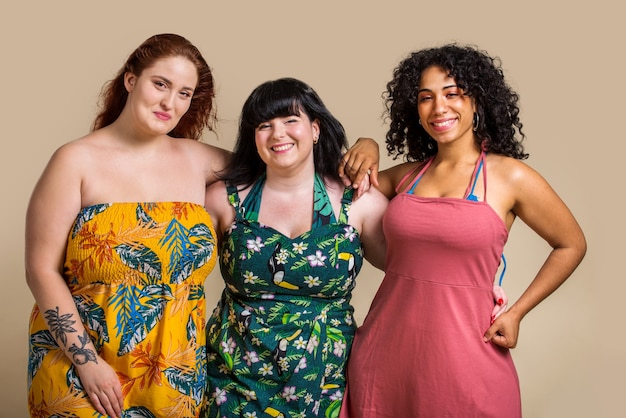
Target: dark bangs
272,100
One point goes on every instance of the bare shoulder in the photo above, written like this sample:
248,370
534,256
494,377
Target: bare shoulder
512,172
390,178
213,159
74,155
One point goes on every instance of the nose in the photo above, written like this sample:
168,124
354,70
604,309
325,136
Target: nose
167,102
440,105
278,130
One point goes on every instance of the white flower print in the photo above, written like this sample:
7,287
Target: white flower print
281,257
250,415
350,233
335,322
316,407
300,247
283,364
251,357
255,245
339,347
323,315
289,393
312,281
219,395
348,319
308,398
223,369
329,368
266,369
300,343
316,260
249,277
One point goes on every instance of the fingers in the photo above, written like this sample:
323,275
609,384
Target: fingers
357,171
373,177
503,332
363,187
501,302
108,401
107,404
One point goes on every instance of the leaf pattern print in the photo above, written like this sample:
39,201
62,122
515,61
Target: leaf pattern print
85,215
119,270
272,349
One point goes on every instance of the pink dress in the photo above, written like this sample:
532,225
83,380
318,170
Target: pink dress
419,352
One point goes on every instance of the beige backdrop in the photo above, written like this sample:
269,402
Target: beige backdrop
563,60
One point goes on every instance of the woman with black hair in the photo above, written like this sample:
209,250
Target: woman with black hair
292,241
431,345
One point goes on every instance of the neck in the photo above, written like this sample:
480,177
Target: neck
292,182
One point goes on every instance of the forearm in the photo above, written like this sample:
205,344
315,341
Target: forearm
60,314
557,268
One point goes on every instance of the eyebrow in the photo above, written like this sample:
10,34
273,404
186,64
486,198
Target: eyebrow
169,82
451,86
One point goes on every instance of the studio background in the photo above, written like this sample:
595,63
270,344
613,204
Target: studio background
562,58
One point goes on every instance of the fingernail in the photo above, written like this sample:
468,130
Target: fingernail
500,301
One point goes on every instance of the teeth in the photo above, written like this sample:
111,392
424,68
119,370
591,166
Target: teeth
442,124
282,147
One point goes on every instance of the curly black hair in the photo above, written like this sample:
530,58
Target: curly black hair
480,76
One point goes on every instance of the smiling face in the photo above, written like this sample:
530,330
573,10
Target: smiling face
286,141
161,95
445,111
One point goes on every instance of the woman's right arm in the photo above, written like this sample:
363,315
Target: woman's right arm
53,206
219,208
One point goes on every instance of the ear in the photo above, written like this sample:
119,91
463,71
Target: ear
315,127
129,81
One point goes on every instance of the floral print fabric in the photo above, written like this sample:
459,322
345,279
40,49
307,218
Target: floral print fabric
279,338
136,272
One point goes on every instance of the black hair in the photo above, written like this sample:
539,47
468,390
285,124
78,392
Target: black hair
480,76
280,98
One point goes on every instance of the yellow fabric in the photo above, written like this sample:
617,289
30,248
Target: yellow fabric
137,272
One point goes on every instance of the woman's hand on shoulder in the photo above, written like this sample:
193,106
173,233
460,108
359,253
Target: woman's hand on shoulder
361,160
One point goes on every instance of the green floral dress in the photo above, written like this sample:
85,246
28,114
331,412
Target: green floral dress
278,341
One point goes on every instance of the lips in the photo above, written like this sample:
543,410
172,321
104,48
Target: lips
442,125
280,148
163,116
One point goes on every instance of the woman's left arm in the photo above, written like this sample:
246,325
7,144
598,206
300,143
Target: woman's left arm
539,206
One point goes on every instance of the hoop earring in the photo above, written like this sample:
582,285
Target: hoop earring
315,140
475,122
419,121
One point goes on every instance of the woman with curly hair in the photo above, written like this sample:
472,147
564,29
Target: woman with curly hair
431,345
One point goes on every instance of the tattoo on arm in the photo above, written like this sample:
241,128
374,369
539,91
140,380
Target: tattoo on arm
60,325
81,355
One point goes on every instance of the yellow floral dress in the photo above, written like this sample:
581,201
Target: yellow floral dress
136,272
